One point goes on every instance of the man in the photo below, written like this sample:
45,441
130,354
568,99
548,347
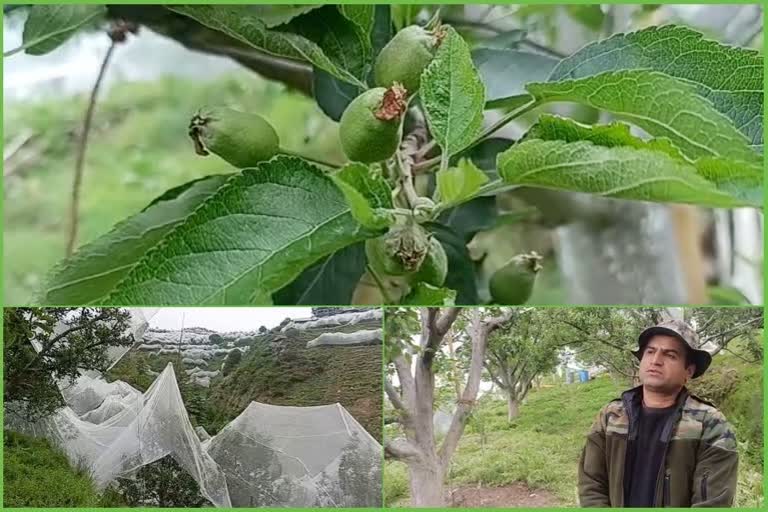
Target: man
658,445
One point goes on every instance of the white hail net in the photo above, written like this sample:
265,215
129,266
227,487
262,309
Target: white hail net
267,456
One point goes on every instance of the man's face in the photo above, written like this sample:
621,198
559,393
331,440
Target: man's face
662,367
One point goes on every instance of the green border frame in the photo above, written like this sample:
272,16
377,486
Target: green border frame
689,2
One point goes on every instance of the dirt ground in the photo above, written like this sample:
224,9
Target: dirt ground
513,495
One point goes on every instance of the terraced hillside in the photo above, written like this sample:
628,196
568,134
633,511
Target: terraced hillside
275,368
279,369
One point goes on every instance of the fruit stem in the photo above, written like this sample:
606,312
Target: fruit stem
406,179
310,158
503,121
380,284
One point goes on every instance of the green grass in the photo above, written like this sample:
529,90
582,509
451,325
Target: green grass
542,446
37,475
138,148
539,448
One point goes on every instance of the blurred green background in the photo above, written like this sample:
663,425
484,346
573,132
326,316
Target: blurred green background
138,149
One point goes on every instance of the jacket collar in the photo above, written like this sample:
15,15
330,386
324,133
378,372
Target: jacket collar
633,403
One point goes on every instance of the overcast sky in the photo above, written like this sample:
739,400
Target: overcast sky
222,319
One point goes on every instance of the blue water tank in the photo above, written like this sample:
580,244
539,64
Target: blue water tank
583,376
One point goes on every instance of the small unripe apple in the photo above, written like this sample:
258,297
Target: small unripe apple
370,127
240,138
512,284
404,58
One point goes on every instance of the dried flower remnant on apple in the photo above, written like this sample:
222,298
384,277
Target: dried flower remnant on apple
242,139
371,126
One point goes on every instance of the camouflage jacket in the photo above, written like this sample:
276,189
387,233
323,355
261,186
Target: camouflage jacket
700,464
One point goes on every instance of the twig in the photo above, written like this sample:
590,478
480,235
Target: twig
426,164
82,145
404,166
423,150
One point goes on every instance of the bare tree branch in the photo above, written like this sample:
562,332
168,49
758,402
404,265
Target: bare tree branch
407,388
434,327
195,36
74,205
479,332
402,449
394,397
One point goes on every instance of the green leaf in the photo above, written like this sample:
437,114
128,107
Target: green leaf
322,36
173,193
506,72
366,192
362,15
726,296
590,15
457,184
742,180
620,172
484,154
730,77
453,95
332,280
250,238
332,94
275,15
467,219
97,267
382,27
341,39
49,26
405,14
424,294
659,104
552,127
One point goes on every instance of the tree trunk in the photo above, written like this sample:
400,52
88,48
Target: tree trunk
513,408
427,484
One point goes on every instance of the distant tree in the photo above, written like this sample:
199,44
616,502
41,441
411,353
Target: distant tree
164,483
605,336
263,329
231,362
518,355
69,340
216,339
134,369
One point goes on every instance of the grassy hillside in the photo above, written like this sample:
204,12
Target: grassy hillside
37,475
541,448
296,375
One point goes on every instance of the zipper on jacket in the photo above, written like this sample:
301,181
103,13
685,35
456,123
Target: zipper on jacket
704,487
673,420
